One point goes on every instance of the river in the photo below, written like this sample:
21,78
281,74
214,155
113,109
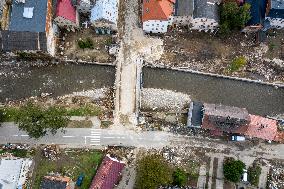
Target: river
257,98
17,82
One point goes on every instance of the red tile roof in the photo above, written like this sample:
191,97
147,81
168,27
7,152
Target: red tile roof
108,174
261,127
66,10
279,137
157,9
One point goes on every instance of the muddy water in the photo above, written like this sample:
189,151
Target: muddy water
17,82
257,98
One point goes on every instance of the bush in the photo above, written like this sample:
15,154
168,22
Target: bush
179,177
233,169
233,17
238,63
253,174
153,171
86,44
37,122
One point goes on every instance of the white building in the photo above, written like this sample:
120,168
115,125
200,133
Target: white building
202,15
157,15
13,172
104,14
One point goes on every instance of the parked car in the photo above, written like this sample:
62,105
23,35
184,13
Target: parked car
80,179
238,138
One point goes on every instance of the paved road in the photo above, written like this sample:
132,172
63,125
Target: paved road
86,137
120,136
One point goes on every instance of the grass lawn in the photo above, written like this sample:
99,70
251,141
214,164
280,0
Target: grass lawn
10,113
80,124
70,164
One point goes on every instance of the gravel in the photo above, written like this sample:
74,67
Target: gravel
161,99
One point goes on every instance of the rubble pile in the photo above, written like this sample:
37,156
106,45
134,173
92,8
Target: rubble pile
179,155
161,99
51,152
276,179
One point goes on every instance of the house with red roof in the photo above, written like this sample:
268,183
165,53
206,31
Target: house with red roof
66,15
219,119
157,15
108,174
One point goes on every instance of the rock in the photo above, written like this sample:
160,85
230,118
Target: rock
278,63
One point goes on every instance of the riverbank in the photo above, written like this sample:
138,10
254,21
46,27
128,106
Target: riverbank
257,98
203,52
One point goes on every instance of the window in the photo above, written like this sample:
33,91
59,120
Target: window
147,1
147,9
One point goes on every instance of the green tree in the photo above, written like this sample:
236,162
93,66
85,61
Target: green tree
233,17
153,171
179,177
253,174
37,121
233,169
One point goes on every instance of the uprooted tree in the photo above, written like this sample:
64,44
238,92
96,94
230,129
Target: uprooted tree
37,122
233,16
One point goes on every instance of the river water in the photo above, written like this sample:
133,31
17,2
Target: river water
17,82
257,98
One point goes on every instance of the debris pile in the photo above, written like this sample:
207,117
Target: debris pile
276,179
51,152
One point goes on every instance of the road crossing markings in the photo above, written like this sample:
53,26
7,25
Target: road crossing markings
95,137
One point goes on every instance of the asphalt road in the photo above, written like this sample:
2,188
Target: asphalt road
86,137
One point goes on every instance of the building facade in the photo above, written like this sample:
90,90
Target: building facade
157,15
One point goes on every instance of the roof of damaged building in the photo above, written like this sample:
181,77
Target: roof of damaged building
235,128
108,173
206,9
261,127
219,110
56,182
29,16
184,7
65,9
157,9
